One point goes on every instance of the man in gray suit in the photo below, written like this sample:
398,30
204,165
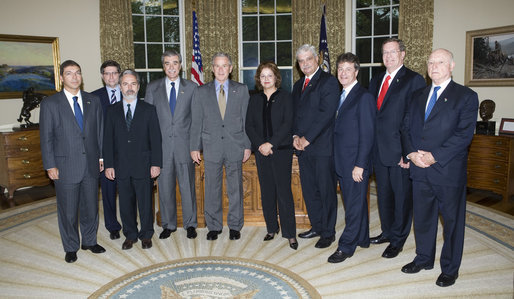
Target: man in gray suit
71,128
218,128
172,97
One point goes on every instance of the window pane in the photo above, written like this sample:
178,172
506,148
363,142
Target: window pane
284,57
382,17
283,27
248,79
364,3
363,22
137,6
175,47
138,28
249,6
170,7
267,27
363,76
377,49
267,52
266,6
396,17
287,79
250,29
156,75
139,56
153,7
153,29
154,56
396,2
250,54
171,29
143,81
363,49
283,6
382,2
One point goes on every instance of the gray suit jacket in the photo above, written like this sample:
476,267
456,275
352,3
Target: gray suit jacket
220,138
174,130
63,145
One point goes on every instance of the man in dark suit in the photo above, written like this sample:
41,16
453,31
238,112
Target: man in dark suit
172,97
133,156
109,94
218,128
315,97
393,90
71,127
353,141
438,129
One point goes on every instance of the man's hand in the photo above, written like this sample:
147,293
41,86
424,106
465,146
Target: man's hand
304,143
246,155
53,173
155,171
265,149
417,159
109,173
101,165
404,165
357,174
296,143
427,158
195,155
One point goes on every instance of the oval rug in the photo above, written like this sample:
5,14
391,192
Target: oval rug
209,277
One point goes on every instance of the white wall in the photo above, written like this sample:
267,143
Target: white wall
76,24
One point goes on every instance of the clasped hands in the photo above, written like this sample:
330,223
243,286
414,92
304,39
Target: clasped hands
196,157
155,171
422,159
300,143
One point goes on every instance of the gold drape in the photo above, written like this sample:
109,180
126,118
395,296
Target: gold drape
116,37
306,26
415,28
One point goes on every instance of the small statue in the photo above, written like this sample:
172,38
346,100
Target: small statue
486,110
31,100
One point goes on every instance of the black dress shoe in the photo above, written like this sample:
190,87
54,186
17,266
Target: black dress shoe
378,239
115,234
146,243
213,235
270,236
70,257
445,280
166,233
338,256
234,235
191,232
391,251
95,248
325,242
128,244
293,243
308,234
411,268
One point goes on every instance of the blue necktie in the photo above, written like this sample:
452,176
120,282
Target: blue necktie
431,102
173,98
78,113
341,99
128,118
113,96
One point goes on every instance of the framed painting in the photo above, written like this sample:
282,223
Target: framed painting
490,57
28,62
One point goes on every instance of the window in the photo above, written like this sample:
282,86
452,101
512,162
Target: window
157,27
373,22
265,35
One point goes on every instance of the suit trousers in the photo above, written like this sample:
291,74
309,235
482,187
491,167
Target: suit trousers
318,179
185,174
394,197
77,203
275,181
136,195
355,200
450,202
213,194
109,203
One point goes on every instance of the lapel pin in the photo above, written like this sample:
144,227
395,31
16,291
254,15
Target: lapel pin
445,100
397,80
88,102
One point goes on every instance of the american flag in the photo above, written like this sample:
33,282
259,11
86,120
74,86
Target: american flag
196,67
323,45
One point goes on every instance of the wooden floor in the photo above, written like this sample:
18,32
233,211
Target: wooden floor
484,198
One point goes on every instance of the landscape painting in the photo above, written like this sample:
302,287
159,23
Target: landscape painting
28,61
490,57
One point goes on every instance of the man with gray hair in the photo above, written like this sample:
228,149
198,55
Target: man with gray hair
316,97
172,98
218,128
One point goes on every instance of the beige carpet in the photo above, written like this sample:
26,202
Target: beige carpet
32,260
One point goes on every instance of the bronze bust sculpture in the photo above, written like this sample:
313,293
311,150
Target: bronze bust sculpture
486,111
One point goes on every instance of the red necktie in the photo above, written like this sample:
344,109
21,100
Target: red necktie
383,92
305,84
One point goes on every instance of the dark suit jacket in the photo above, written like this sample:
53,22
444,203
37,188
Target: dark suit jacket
446,133
281,120
315,110
105,98
76,154
388,146
132,153
354,131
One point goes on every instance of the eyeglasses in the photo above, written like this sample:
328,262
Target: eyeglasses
108,74
393,52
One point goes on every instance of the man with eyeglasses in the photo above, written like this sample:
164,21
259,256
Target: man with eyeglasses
392,90
109,94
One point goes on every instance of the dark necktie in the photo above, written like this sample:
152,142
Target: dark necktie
383,92
307,80
341,101
113,96
431,102
173,98
78,112
128,118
